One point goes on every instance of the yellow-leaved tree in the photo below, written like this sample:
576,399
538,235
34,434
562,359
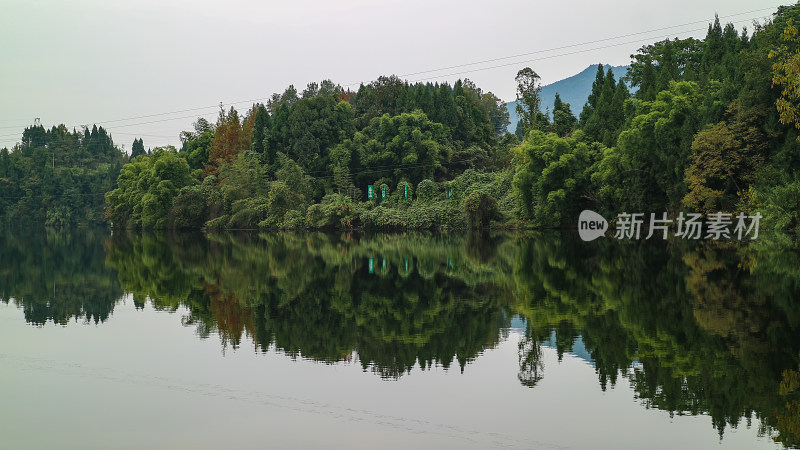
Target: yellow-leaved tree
786,73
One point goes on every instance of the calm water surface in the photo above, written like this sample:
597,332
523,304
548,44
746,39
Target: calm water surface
535,341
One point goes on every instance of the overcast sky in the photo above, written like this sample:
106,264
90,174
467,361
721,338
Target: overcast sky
98,61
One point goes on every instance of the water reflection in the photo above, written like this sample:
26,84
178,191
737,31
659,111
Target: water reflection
393,300
56,276
694,327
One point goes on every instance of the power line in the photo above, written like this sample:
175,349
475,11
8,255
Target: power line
145,135
578,44
199,108
544,58
514,63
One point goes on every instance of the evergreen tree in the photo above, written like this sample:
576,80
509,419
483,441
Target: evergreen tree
713,50
445,106
594,96
275,141
563,119
616,114
261,126
647,87
137,149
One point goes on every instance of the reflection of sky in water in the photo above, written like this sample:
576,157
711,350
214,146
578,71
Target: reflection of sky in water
141,380
578,349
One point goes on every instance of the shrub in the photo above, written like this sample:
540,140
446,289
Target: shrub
384,218
293,220
247,213
480,209
436,215
315,217
782,207
189,209
219,222
58,217
335,211
399,193
427,190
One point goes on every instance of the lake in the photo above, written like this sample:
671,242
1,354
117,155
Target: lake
310,340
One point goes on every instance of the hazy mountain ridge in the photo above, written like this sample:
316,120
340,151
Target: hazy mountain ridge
573,90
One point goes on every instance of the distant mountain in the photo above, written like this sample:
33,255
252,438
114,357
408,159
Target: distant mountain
573,90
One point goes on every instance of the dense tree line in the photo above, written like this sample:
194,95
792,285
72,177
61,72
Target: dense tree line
306,159
57,177
708,128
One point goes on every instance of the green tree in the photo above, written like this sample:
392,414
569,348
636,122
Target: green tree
528,98
197,144
147,187
189,209
552,181
724,159
563,119
594,96
405,147
497,111
313,127
646,172
655,66
261,126
137,149
603,116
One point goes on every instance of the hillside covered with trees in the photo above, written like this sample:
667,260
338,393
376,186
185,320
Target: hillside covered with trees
712,126
57,177
306,159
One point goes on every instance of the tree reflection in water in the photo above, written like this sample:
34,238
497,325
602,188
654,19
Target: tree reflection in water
712,326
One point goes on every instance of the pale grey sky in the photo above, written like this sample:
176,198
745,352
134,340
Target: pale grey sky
97,61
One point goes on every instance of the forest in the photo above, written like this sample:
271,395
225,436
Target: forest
58,177
708,125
